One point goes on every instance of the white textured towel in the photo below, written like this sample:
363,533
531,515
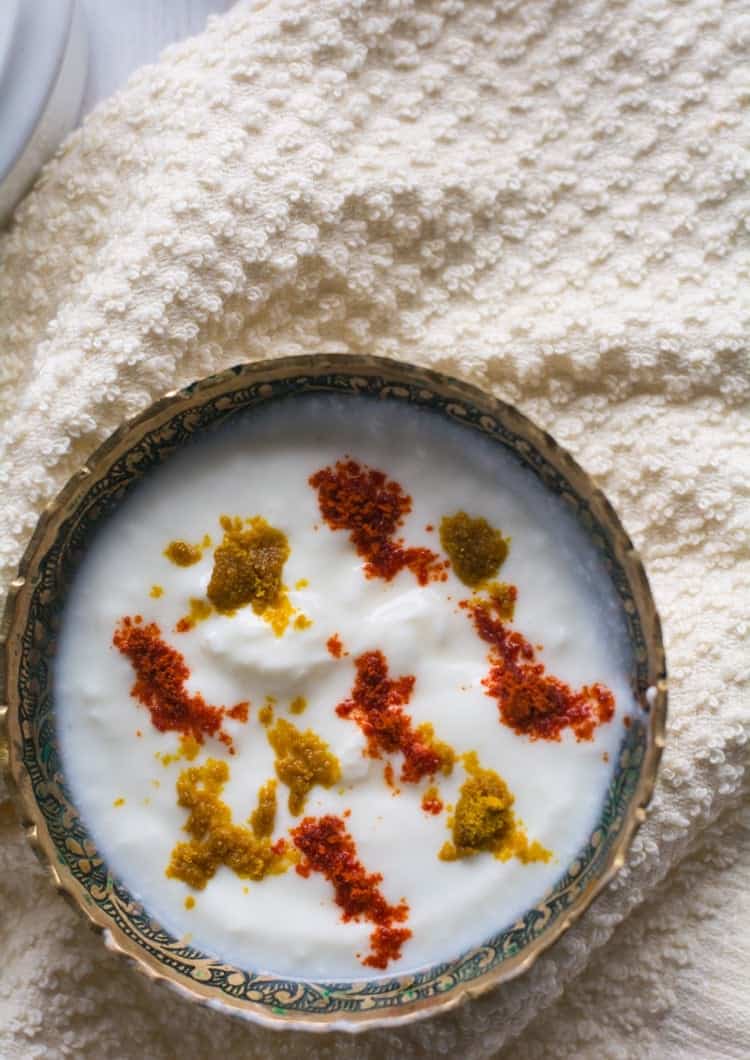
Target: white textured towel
549,199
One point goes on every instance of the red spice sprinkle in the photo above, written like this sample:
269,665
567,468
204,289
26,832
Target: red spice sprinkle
240,712
530,701
372,507
160,676
328,848
335,647
376,705
431,802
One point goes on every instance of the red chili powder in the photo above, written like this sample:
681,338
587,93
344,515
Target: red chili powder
431,801
328,848
376,705
372,508
335,647
531,701
240,712
160,676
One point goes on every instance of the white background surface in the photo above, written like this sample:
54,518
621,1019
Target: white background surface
126,34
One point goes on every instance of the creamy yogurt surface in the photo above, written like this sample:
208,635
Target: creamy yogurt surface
122,771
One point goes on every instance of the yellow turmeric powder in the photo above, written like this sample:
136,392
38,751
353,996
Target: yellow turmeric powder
302,761
214,839
484,820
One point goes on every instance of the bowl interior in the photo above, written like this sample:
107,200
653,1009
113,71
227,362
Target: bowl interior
61,836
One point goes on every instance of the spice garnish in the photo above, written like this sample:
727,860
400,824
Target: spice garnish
189,748
303,760
214,839
263,818
160,676
183,554
328,848
476,549
199,610
248,565
532,702
372,507
503,598
431,801
265,714
376,704
484,820
335,647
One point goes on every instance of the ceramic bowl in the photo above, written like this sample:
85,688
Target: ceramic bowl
61,837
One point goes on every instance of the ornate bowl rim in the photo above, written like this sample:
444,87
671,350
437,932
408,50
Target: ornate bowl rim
343,1009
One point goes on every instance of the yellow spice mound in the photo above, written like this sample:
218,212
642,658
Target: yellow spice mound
248,566
302,761
215,840
263,818
183,553
475,548
484,820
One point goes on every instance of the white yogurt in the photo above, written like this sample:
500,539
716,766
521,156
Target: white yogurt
260,466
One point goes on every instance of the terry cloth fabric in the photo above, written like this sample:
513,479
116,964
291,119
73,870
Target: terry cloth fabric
549,199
